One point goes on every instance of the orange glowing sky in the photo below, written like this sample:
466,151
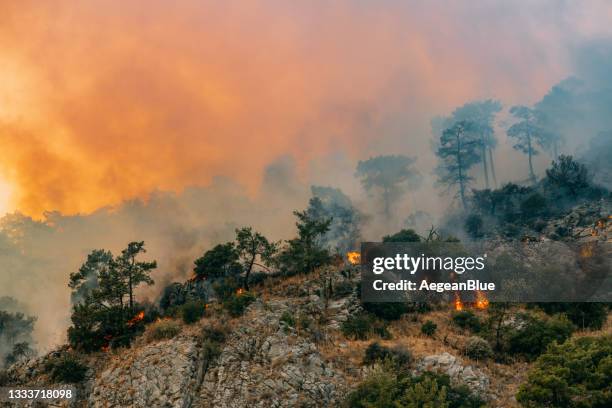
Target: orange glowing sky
102,101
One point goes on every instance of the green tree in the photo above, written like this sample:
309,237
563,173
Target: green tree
459,150
253,250
82,282
134,272
528,133
405,235
220,261
391,175
567,175
482,115
577,373
305,253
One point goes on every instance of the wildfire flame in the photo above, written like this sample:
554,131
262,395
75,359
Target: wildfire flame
136,319
481,300
458,303
586,251
353,257
240,291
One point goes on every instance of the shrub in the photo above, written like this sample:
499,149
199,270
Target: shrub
342,289
574,374
288,319
362,326
405,235
377,353
474,226
478,348
532,339
163,329
387,310
4,378
429,328
237,303
387,387
467,320
216,333
226,287
193,311
583,315
66,369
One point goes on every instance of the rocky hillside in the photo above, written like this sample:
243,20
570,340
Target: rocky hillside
289,350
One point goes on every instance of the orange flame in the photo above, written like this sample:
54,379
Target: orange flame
353,257
458,303
240,291
481,300
586,251
136,319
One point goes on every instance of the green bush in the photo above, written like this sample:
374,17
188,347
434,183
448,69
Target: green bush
216,333
226,287
287,318
583,315
237,303
163,329
376,353
478,348
533,338
467,320
429,328
66,369
387,310
362,326
387,387
474,226
577,373
193,311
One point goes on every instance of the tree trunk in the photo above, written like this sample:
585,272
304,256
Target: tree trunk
460,168
248,273
484,164
530,154
492,164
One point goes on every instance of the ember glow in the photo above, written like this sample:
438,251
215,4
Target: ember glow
353,257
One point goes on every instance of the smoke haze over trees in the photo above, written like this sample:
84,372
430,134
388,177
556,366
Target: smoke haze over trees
200,158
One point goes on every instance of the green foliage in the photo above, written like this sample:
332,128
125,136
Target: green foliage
388,387
67,369
389,177
362,326
575,374
459,149
237,303
105,309
467,320
305,253
253,249
344,230
15,328
405,235
19,352
536,334
474,226
288,319
568,176
376,353
583,315
220,261
193,311
429,328
163,329
226,287
478,348
387,310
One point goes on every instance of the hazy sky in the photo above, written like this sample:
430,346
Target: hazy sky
106,100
